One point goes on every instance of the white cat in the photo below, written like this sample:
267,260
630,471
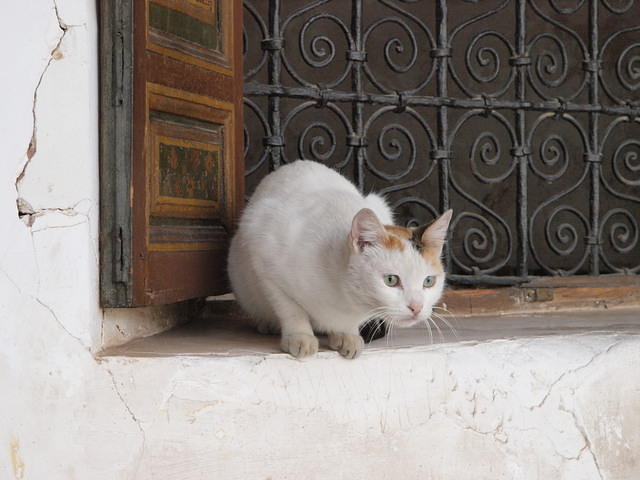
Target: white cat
312,254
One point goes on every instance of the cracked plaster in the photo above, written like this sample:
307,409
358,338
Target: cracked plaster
508,409
60,404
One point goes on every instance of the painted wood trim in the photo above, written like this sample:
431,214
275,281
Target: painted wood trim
546,295
116,97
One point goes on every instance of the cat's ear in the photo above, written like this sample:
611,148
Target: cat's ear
366,229
434,235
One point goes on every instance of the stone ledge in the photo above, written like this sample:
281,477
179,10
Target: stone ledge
554,397
227,334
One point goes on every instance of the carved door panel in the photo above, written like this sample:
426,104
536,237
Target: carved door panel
171,147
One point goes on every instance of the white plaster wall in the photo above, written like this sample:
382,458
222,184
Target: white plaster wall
49,162
58,405
51,424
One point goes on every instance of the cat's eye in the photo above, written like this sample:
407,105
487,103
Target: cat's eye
429,281
391,280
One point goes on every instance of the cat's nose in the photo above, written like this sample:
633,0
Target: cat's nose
415,307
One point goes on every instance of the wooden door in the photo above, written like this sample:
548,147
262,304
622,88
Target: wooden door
171,153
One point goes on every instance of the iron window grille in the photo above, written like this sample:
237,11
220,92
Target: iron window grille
521,115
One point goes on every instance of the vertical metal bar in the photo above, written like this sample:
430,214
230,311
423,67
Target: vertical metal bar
274,45
522,149
592,67
358,106
442,60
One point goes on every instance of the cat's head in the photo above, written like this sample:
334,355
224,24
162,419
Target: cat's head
394,271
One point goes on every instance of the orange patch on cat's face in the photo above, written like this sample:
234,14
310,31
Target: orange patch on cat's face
402,232
397,237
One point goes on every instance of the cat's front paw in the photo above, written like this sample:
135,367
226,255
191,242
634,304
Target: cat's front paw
348,344
299,344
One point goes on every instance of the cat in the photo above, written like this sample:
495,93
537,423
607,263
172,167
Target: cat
312,254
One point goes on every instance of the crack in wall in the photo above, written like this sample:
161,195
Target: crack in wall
50,310
133,417
25,211
570,371
500,432
561,406
28,214
585,438
55,54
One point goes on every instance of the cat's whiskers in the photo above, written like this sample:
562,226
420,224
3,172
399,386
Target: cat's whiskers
382,322
446,311
446,322
385,315
443,309
390,332
435,324
395,314
426,323
388,317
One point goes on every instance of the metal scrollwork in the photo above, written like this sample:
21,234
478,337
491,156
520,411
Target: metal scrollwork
487,57
624,8
627,156
549,64
550,162
319,50
318,142
250,20
628,67
317,139
390,145
563,238
466,105
396,47
566,10
619,231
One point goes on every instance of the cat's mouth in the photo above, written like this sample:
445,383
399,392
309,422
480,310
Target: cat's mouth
409,321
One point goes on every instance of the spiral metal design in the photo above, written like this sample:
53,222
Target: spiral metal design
487,147
390,141
317,139
396,46
552,157
563,238
628,67
626,159
623,231
319,50
454,104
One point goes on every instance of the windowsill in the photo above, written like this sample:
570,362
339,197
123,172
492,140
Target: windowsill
214,389
228,335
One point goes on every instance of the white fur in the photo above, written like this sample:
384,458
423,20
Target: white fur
293,267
